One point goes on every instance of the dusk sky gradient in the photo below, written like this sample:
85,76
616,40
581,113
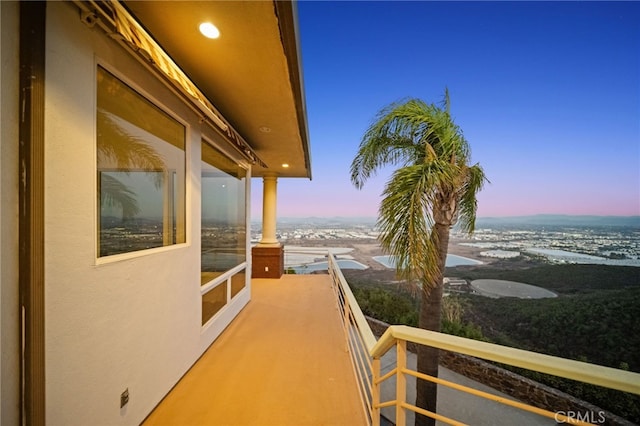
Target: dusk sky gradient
546,93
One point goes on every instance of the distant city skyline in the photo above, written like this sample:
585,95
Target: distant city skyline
547,94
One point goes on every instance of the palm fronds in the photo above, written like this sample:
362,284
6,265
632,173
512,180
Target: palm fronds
434,183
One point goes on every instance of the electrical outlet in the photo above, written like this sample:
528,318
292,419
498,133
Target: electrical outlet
124,398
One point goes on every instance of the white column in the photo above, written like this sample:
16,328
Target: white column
269,199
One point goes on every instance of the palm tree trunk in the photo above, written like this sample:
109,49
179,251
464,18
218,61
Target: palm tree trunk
430,313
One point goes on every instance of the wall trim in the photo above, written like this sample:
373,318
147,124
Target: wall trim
31,210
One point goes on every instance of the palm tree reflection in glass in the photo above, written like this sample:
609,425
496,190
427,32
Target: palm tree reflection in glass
125,160
126,152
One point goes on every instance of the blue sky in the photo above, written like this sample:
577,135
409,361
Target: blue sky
547,94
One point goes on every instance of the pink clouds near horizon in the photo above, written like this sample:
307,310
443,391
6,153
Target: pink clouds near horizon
349,202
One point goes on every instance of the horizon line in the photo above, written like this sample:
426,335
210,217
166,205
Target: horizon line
477,217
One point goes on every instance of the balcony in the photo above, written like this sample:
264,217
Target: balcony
282,361
289,359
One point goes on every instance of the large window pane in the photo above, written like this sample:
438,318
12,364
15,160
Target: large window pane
141,171
223,213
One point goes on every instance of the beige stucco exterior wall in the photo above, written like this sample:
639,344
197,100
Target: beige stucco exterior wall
9,318
128,324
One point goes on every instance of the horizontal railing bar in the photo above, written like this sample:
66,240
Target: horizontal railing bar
387,404
364,354
432,415
363,379
576,370
363,388
386,376
360,338
496,398
361,369
363,326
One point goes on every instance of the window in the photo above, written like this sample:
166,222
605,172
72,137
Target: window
141,171
223,190
224,229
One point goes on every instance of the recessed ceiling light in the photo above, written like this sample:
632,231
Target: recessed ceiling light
285,165
209,30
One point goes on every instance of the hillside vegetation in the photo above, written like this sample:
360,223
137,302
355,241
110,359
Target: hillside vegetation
562,279
595,318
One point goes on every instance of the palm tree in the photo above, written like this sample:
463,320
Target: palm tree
434,188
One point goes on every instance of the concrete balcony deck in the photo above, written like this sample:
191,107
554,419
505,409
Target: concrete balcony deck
282,361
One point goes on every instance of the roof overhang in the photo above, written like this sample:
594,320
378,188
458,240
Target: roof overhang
251,74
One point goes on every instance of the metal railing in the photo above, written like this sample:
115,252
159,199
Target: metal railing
366,353
359,338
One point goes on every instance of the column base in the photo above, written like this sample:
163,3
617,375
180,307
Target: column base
267,261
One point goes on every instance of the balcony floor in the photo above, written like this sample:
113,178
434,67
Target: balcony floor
282,361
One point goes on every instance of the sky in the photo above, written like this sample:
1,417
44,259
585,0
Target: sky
546,93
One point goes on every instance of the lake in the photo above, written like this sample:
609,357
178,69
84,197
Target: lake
452,260
323,266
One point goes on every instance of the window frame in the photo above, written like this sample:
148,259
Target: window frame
130,81
225,278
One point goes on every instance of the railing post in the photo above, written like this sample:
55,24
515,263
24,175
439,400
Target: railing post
401,382
375,392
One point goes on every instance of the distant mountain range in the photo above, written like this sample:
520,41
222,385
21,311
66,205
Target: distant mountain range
540,219
558,219
337,220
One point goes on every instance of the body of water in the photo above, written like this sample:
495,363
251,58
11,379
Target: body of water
323,266
500,254
452,260
563,256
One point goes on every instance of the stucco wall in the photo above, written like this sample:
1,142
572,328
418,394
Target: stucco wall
130,324
9,318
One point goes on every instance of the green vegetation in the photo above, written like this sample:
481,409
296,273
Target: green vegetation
453,308
394,305
594,319
602,327
562,279
388,303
